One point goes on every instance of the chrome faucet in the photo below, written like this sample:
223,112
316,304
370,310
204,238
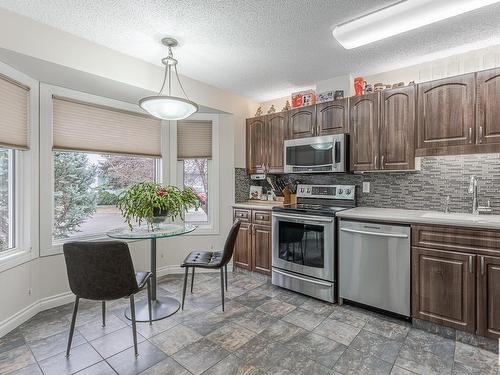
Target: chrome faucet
476,208
473,191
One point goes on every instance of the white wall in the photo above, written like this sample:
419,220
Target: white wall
42,282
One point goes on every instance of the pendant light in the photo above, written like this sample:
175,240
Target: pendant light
168,107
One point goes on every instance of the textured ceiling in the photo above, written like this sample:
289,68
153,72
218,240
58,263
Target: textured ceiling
261,49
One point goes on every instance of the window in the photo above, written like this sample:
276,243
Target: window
7,201
86,186
195,176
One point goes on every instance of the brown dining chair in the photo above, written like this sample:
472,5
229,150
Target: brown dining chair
211,260
103,271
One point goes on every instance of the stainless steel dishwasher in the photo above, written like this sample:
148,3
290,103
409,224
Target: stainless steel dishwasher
374,265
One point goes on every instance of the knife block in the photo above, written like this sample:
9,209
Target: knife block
289,197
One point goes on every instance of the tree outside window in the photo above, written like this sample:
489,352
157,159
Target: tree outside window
195,173
6,217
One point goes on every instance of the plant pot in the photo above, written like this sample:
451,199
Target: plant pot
159,215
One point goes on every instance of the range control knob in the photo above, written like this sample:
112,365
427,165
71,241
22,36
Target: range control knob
340,191
348,191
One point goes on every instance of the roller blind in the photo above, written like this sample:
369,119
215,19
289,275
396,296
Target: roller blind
194,139
79,126
13,114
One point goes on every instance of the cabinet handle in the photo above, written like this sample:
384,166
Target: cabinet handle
382,162
481,135
375,161
470,135
470,263
482,265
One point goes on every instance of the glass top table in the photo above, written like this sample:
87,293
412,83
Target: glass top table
161,307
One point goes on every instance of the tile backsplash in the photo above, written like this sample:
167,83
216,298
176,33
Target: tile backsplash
425,189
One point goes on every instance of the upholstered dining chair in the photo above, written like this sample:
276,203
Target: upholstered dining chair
211,260
103,271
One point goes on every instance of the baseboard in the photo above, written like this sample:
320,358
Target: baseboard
28,312
175,269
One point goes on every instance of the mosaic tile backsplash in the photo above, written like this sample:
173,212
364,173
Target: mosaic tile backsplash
425,189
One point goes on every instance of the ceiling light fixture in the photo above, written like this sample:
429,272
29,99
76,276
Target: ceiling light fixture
168,107
400,17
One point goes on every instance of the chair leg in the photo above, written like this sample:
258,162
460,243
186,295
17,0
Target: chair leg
225,275
149,301
192,280
103,308
184,287
222,286
72,328
134,332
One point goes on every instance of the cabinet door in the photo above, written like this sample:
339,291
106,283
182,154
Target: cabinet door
443,287
397,128
256,144
488,296
364,123
332,117
488,108
446,116
302,122
261,249
276,125
243,247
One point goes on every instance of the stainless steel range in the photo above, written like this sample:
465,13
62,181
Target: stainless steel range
304,240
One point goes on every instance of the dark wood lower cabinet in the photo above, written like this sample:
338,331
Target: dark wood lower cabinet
253,244
488,296
444,287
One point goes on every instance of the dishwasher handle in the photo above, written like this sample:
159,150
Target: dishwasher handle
378,234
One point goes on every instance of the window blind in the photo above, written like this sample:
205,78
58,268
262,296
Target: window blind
194,139
79,126
13,114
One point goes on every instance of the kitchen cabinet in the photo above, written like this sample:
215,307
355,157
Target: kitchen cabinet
446,123
364,125
456,278
332,117
444,287
488,109
253,244
397,129
302,122
255,144
488,296
264,143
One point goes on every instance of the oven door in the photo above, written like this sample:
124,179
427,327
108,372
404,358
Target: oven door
304,244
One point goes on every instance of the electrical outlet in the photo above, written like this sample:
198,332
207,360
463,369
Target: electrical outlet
366,187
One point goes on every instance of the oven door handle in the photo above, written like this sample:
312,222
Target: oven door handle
379,234
317,219
302,278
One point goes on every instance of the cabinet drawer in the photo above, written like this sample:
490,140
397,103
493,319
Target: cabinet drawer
456,239
261,217
241,214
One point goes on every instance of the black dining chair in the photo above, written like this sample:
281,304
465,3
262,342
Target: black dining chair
211,260
103,271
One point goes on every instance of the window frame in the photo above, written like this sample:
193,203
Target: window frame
48,245
176,174
25,182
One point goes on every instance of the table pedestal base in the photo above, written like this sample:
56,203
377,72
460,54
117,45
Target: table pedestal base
161,308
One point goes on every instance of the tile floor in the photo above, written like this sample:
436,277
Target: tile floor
265,330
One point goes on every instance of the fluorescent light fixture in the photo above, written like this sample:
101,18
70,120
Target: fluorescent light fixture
400,17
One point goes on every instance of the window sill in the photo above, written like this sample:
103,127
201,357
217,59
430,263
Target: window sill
15,257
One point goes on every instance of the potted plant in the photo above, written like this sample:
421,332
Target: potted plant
153,203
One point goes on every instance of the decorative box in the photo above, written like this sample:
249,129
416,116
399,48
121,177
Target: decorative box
303,98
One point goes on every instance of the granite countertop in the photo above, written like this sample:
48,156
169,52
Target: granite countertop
402,216
258,205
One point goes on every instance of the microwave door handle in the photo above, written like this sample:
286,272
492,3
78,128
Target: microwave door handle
311,166
336,146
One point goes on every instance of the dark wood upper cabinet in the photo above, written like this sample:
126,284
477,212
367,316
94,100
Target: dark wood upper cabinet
397,129
443,288
276,126
302,122
488,108
364,126
488,296
256,144
332,117
446,121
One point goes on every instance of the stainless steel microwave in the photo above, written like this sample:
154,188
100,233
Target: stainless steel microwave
323,154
